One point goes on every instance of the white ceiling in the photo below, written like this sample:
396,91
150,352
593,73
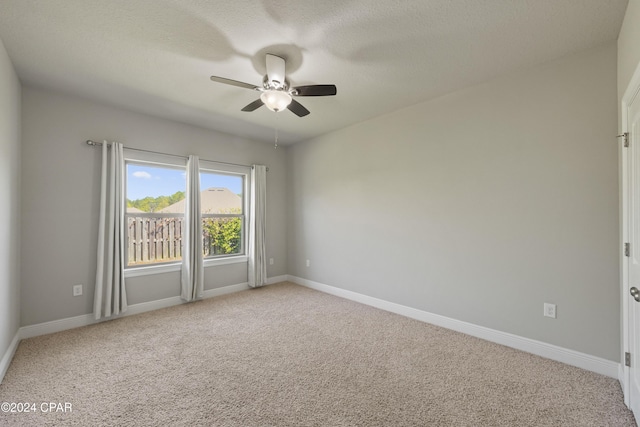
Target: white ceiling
156,56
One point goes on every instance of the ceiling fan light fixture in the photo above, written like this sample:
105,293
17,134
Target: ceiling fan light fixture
275,100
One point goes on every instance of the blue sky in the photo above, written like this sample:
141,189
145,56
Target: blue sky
143,181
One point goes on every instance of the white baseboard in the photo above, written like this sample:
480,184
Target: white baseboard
8,355
211,293
549,351
87,319
56,326
143,307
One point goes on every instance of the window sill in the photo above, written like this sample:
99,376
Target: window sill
152,269
224,261
167,268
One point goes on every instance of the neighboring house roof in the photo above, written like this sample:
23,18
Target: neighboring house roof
134,210
212,200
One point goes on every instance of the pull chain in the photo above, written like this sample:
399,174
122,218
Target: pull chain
275,146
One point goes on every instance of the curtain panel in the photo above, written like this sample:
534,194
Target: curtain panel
110,296
257,227
192,279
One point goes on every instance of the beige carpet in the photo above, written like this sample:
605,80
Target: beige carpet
285,355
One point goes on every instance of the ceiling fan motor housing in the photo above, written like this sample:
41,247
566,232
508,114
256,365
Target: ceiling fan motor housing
274,84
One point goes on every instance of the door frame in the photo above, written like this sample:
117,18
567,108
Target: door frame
631,92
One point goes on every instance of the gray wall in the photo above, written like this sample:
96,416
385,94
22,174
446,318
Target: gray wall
60,196
10,196
480,205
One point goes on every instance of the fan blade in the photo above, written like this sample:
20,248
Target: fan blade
233,82
254,105
275,70
296,108
316,90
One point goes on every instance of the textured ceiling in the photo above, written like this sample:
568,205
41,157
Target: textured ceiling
156,56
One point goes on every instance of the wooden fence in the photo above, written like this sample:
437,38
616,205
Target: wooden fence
154,238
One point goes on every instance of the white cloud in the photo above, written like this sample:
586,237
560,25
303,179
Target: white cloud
142,174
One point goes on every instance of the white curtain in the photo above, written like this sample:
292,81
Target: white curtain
257,251
192,257
110,294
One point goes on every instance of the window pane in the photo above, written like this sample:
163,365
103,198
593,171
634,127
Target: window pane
155,188
221,193
155,213
222,236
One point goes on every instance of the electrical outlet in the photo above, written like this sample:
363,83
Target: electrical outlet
77,290
270,261
549,310
308,263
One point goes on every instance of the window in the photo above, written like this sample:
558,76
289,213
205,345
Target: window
155,188
222,203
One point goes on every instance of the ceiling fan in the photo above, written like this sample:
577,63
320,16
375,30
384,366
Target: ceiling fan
276,93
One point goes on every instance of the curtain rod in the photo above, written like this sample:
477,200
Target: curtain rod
98,144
